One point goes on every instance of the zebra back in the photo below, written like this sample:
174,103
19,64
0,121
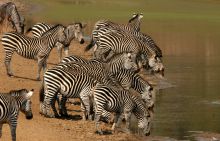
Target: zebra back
38,29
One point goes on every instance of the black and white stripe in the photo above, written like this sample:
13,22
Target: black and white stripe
74,30
55,78
118,41
120,102
10,105
32,48
8,11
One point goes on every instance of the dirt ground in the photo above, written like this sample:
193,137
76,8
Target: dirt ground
45,129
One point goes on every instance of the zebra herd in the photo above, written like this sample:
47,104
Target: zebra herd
102,84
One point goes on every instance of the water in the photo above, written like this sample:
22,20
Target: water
193,104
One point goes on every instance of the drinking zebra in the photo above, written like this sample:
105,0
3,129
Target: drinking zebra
120,102
132,26
10,104
71,81
32,48
127,79
8,11
72,31
117,41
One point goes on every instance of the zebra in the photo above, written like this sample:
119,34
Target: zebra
8,11
74,30
102,26
127,78
10,104
115,41
32,48
121,102
69,81
133,25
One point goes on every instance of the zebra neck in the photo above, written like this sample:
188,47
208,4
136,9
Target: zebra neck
19,100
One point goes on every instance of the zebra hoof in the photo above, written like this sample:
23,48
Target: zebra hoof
64,115
99,132
10,74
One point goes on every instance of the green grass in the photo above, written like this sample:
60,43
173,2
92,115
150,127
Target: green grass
172,23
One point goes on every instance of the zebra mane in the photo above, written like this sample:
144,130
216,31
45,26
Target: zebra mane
79,23
16,92
114,56
51,29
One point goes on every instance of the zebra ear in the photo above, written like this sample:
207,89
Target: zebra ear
129,55
134,14
29,94
141,15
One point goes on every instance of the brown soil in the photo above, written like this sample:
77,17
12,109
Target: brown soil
41,128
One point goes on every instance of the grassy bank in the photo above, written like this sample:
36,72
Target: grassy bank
176,25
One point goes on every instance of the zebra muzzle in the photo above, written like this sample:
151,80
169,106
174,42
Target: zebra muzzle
82,41
29,116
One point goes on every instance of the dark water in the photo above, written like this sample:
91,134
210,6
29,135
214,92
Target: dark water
193,105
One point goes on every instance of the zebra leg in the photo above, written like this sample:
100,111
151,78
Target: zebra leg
127,119
62,109
59,49
13,131
97,120
66,51
49,103
41,63
8,57
117,121
53,107
98,112
85,105
1,130
83,108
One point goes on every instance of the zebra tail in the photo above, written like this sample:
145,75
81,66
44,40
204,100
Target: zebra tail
41,92
90,45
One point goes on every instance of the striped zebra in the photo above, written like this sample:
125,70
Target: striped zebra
70,82
32,48
120,102
128,79
115,41
10,105
8,11
132,26
72,31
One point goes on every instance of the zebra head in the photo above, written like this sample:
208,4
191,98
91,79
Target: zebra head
61,35
136,15
146,95
26,104
145,123
130,61
142,114
135,21
15,18
75,31
156,65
